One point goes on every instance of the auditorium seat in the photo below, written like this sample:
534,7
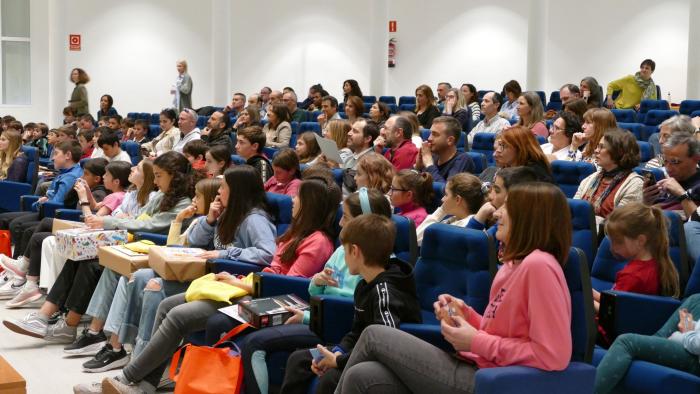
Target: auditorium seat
407,107
11,191
480,162
648,105
553,106
407,100
689,106
569,174
310,126
369,99
554,96
543,97
635,128
646,152
387,99
625,115
483,143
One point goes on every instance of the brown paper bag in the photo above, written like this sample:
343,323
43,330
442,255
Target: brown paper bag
60,224
180,264
121,260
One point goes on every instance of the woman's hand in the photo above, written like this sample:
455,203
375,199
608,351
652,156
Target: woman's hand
210,254
577,140
296,318
215,209
460,335
94,221
325,278
186,213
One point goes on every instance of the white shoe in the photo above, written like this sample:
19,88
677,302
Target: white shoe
61,332
29,293
32,325
11,288
12,265
92,388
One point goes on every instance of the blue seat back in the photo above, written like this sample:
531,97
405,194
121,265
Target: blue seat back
689,106
569,174
155,119
438,194
153,131
32,154
310,126
483,143
134,151
649,105
393,108
646,152
676,244
387,99
479,160
543,97
270,152
369,99
693,285
584,235
407,100
132,115
457,261
407,107
656,116
237,160
338,176
625,115
146,116
605,267
406,244
554,96
635,128
281,209
553,106
658,172
583,326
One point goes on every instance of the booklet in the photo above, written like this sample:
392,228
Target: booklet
329,149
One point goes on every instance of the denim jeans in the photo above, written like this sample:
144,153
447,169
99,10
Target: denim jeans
104,294
692,239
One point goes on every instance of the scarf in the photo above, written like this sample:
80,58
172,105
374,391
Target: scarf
648,87
617,175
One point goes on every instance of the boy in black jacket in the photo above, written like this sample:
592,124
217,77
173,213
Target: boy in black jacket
385,295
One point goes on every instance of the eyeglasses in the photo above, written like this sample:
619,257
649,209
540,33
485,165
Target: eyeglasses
554,128
500,147
674,162
396,189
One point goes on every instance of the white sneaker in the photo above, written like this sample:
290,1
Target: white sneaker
29,293
12,265
11,288
92,388
61,332
32,325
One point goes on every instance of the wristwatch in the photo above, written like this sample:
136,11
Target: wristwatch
686,196
84,204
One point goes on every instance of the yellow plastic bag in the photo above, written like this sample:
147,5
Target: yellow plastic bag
141,246
208,288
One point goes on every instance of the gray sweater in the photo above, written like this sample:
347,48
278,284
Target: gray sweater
159,222
254,241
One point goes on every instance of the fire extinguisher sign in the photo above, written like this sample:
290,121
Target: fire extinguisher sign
392,26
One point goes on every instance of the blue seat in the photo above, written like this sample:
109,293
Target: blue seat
658,172
369,99
554,96
438,194
605,267
481,93
483,143
480,162
237,160
134,151
695,113
406,243
540,139
648,105
132,115
12,191
579,376
407,107
553,106
625,115
689,106
656,116
646,152
635,128
310,126
407,100
543,97
387,99
270,152
153,131
569,174
338,176
202,121
393,108
584,235
155,119
145,116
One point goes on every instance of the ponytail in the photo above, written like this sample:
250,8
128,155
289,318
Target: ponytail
668,275
421,184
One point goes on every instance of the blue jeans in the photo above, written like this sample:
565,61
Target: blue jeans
104,294
692,239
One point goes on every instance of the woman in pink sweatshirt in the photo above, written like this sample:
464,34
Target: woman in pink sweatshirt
527,321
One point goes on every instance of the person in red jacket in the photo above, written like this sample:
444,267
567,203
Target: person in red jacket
527,321
396,135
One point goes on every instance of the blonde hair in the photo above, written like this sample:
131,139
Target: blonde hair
635,219
379,170
339,129
183,62
13,150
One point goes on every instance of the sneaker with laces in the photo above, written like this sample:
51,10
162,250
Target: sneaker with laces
11,288
54,317
29,293
106,359
87,344
61,332
118,386
32,325
12,265
91,388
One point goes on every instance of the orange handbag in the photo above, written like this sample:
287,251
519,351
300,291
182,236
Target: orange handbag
207,369
5,243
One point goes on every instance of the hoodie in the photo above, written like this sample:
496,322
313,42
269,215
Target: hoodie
262,164
389,299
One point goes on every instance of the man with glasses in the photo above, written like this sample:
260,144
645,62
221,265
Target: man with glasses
438,156
681,189
396,135
188,129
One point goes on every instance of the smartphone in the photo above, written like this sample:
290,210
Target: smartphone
649,178
316,355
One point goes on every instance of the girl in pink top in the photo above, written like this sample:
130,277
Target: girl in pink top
308,242
286,168
410,193
527,321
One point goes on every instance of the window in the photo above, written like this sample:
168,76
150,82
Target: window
15,83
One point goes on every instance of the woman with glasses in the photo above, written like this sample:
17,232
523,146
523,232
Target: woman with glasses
517,146
615,183
560,134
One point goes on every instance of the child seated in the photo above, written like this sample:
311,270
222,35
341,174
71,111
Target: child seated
286,169
195,151
410,193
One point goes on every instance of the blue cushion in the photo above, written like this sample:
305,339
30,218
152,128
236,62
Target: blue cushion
648,105
569,174
689,106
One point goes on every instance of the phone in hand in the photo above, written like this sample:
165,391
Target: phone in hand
449,311
316,355
649,178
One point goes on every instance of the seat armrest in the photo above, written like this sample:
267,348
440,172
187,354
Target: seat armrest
69,214
331,317
48,209
430,333
577,378
235,267
623,312
267,284
11,193
26,201
158,239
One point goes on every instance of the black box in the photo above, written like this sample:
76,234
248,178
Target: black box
269,311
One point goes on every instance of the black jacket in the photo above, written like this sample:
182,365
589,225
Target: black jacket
223,138
263,165
389,300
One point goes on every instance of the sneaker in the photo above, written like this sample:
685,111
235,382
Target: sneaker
12,265
29,293
54,317
117,386
92,388
61,332
106,359
11,288
32,325
87,344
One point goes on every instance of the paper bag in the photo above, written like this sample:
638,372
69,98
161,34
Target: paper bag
180,264
121,260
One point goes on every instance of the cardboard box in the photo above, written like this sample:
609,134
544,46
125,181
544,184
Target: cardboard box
81,244
180,264
121,260
270,311
60,224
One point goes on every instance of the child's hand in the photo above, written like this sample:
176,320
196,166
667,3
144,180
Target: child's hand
686,322
326,363
215,209
296,318
325,278
209,254
94,221
186,213
461,335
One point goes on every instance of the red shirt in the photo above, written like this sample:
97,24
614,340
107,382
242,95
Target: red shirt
638,276
403,156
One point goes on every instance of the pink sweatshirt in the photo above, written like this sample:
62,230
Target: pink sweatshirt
413,212
528,319
311,255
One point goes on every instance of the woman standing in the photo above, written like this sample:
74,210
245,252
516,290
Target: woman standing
79,98
182,90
